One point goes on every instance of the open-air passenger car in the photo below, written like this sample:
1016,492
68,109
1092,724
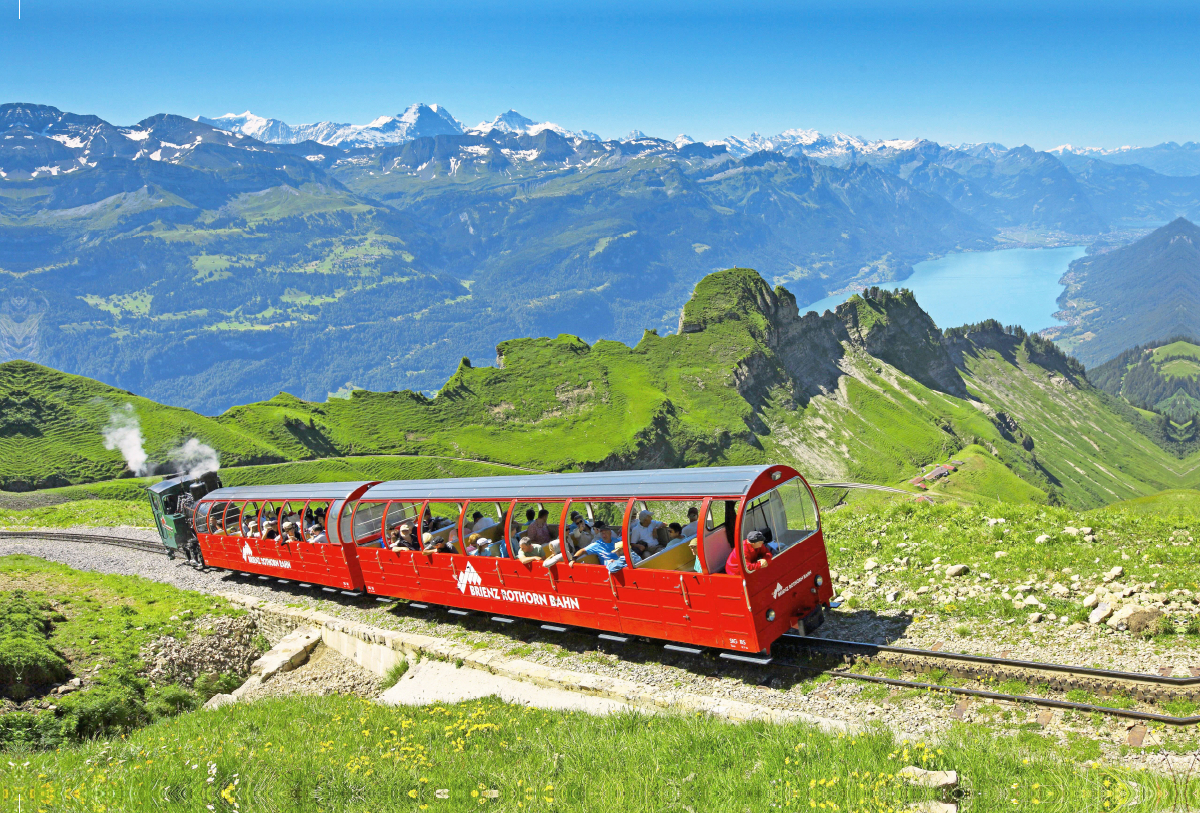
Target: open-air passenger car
679,592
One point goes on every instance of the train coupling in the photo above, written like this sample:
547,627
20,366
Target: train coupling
805,625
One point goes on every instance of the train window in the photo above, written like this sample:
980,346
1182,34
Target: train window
314,521
250,519
800,510
368,523
784,515
400,513
290,521
485,533
269,524
216,516
439,527
202,511
596,515
232,518
662,543
718,534
541,522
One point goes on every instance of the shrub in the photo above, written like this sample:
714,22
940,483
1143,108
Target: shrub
26,658
213,684
393,675
113,706
167,701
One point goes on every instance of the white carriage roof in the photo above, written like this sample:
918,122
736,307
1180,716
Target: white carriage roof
722,481
309,491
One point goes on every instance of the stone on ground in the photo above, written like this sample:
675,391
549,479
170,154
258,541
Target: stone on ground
218,700
286,655
929,779
955,571
1101,612
1135,617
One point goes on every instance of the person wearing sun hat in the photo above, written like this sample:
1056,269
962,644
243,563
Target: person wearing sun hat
758,555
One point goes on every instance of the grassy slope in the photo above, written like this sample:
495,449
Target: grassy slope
51,427
105,623
1096,456
362,756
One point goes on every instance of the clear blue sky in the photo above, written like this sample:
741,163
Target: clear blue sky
1040,73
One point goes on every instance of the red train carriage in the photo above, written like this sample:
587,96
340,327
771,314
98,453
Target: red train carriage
244,528
678,591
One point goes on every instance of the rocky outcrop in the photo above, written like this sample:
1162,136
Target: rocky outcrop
220,645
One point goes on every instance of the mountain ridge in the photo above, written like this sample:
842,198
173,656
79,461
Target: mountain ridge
747,379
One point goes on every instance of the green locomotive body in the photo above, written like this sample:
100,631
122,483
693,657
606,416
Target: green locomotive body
172,500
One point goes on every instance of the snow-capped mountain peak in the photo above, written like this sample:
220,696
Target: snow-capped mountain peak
514,123
416,121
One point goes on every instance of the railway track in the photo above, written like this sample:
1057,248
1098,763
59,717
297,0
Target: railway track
1141,686
118,541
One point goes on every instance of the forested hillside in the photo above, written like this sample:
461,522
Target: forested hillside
1135,295
873,392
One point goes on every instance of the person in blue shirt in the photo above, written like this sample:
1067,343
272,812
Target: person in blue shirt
611,555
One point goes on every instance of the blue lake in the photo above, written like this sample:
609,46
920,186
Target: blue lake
1015,286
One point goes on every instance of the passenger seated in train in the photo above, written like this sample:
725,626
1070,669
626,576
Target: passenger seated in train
481,523
251,528
528,551
269,532
689,530
403,538
758,555
539,530
645,530
604,547
436,544
317,534
530,514
639,551
479,545
694,544
580,531
431,524
675,535
290,532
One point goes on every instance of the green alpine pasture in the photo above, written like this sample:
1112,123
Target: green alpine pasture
874,393
359,756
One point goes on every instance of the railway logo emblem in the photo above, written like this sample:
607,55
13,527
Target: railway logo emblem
468,576
780,589
248,556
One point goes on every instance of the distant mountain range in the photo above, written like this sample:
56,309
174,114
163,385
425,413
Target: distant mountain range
1166,159
206,265
418,121
1071,190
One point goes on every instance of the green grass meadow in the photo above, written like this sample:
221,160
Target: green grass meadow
348,754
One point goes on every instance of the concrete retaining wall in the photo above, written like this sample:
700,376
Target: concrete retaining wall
379,649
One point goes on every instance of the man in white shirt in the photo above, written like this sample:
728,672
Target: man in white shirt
479,522
644,530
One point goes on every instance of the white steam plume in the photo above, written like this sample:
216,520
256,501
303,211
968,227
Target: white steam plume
196,457
125,433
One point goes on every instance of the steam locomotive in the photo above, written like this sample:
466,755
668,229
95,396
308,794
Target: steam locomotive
173,501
